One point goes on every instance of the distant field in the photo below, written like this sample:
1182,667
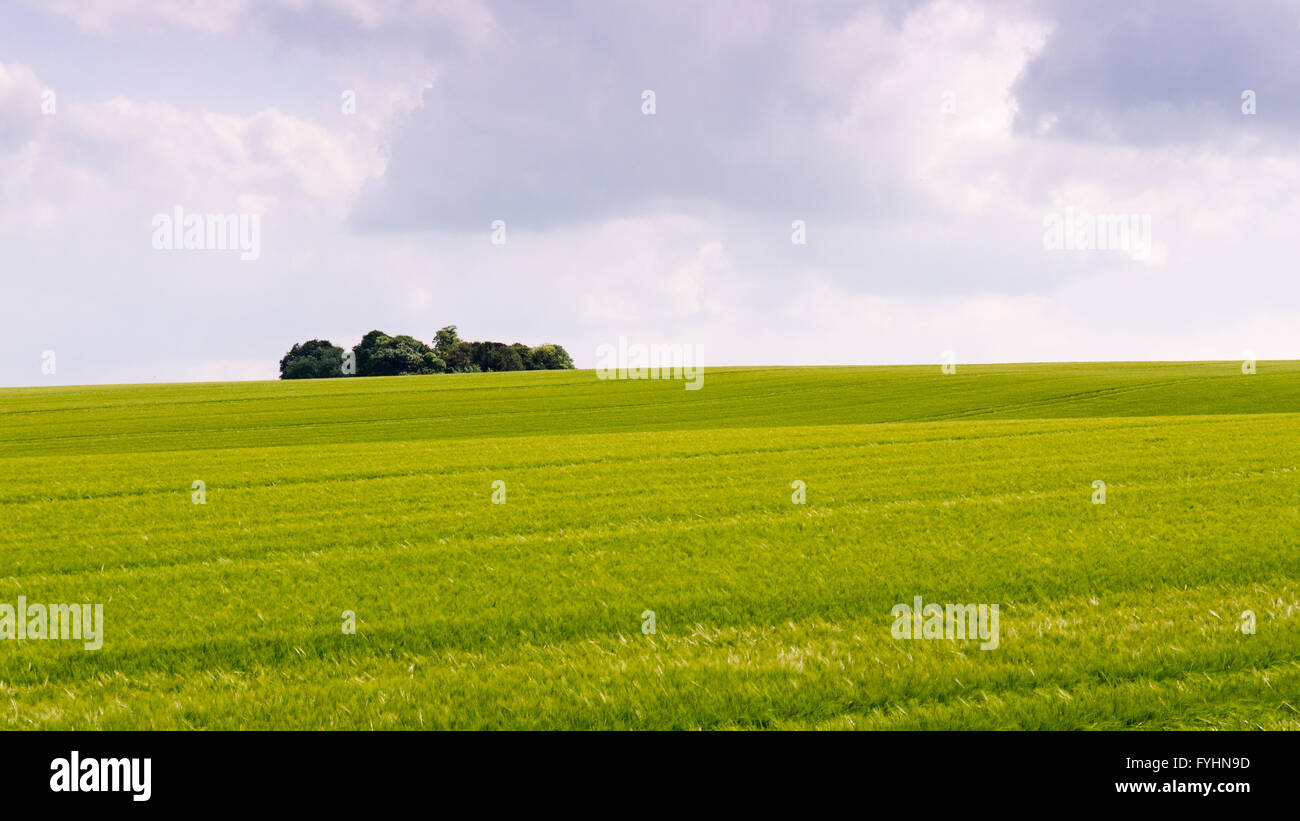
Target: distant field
374,495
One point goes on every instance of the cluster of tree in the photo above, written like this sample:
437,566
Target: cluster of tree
379,354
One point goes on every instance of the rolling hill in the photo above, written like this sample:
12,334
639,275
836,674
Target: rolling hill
375,496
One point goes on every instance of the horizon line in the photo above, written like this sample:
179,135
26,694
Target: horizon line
705,368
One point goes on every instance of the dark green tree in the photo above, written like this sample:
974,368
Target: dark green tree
445,339
366,349
314,359
550,357
497,356
379,354
525,355
402,354
460,358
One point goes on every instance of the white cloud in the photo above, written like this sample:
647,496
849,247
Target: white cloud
924,227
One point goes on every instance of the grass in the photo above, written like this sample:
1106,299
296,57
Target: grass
374,495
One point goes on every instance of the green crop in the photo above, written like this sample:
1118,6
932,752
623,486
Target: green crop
375,496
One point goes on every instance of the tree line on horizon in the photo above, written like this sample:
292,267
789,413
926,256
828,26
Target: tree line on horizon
379,354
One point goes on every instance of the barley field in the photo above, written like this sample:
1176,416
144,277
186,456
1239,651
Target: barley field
628,505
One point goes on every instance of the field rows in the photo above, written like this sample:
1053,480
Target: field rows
768,613
126,419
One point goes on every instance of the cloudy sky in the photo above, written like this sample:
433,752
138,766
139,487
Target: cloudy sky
920,150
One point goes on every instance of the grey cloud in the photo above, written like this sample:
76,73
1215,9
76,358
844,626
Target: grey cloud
1152,73
542,124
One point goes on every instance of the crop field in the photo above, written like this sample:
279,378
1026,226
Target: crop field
629,498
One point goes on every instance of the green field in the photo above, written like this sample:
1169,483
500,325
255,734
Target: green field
375,496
